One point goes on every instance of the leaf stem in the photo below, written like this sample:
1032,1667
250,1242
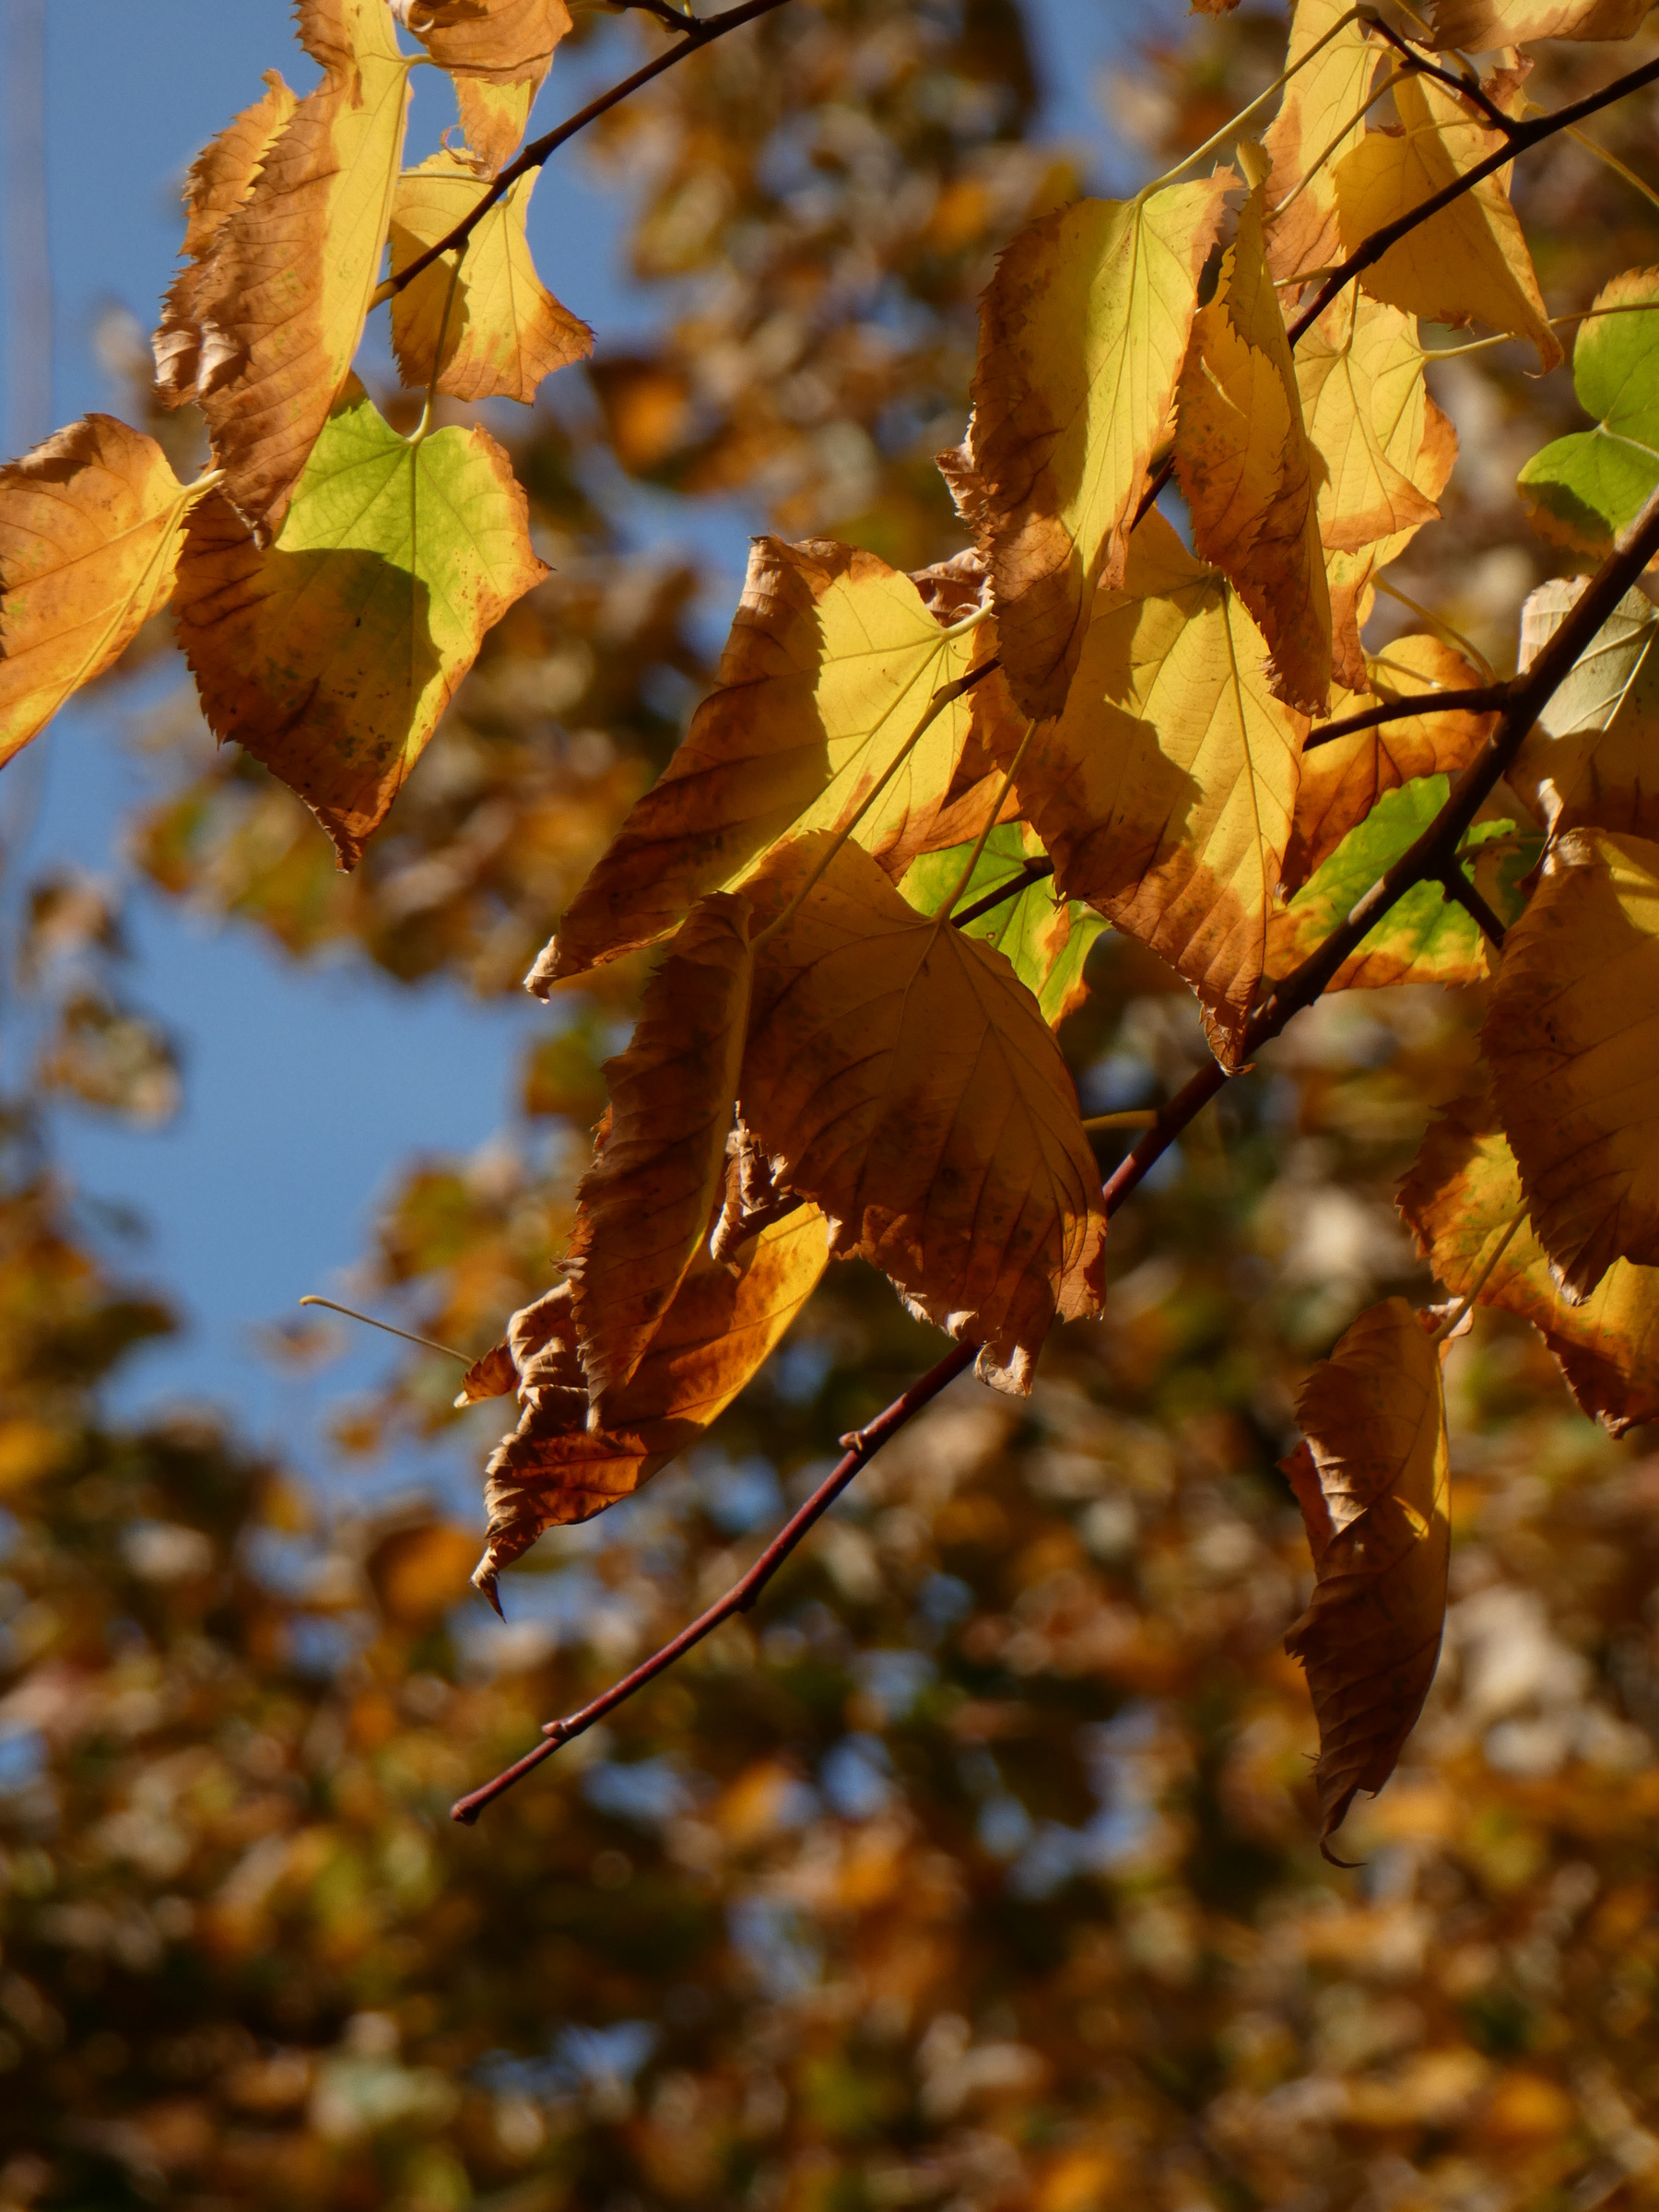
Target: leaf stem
1472,698
1455,637
1035,871
1230,130
1456,885
369,1321
966,877
1454,1319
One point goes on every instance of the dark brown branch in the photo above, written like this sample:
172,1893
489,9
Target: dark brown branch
1420,65
1475,697
1033,872
1456,887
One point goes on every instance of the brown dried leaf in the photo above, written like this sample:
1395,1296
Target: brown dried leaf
1480,26
499,51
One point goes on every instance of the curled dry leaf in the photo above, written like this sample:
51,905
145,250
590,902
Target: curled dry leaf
902,1078
1462,1198
1082,336
494,331
1469,262
723,1322
1590,762
754,1199
1573,1040
499,51
818,712
1370,1480
1319,120
401,555
643,1207
1481,26
91,527
1165,790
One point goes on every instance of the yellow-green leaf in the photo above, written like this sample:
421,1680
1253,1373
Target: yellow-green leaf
1319,121
1045,940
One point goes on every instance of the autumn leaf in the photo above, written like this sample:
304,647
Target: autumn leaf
1342,781
723,1322
1582,490
331,654
1462,1198
1469,262
1479,26
1318,121
1360,374
902,1078
1165,790
1572,1039
279,305
1589,761
1371,1481
220,179
1244,465
91,527
495,328
643,1208
1082,336
826,678
499,51
1045,940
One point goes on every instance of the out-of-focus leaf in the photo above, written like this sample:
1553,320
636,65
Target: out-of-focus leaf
1480,26
1045,940
109,1057
1588,763
1582,490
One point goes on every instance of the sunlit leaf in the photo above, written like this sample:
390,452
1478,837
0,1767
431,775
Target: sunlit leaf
499,51
1582,490
1478,26
1318,121
1360,373
1045,940
1589,762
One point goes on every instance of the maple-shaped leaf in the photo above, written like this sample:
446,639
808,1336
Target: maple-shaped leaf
1590,762
220,179
91,527
1343,781
723,1323
1360,374
494,331
1424,937
1082,335
1319,120
643,1208
1470,262
1482,26
1372,1483
1244,465
499,51
1462,1199
330,654
1165,790
1582,490
826,681
1573,1040
1045,940
278,306
901,1076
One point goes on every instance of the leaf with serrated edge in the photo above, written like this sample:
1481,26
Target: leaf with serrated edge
723,1322
91,527
331,654
1082,335
1582,490
1360,374
1045,940
1482,26
1592,759
1165,790
903,1078
1470,262
1572,1039
1246,471
1461,1199
282,300
1318,120
642,1208
832,665
501,331
1371,1482
1421,442
499,53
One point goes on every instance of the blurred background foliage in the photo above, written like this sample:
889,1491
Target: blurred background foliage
976,1870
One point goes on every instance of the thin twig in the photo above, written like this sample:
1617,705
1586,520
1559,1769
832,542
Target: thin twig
1454,1319
1421,66
1479,696
1035,871
1457,888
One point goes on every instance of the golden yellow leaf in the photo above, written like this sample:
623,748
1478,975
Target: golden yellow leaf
1479,26
91,527
1470,262
1318,121
499,51
1590,760
827,678
1082,335
643,1208
902,1078
1372,1483
1573,1040
1165,790
1361,373
1243,463
330,654
220,179
280,303
553,1469
1462,1198
496,327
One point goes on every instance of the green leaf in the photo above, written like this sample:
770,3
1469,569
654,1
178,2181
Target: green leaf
1582,491
1045,940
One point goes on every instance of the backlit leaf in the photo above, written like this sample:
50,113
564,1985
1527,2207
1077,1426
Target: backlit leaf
1082,336
1478,26
91,527
643,1208
1165,790
1371,1482
903,1078
1469,262
1045,940
1590,760
331,654
1318,121
496,328
1361,373
499,51
1582,490
1572,1038
828,674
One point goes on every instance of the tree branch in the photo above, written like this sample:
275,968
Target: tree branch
1420,66
1456,887
1033,872
1487,696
